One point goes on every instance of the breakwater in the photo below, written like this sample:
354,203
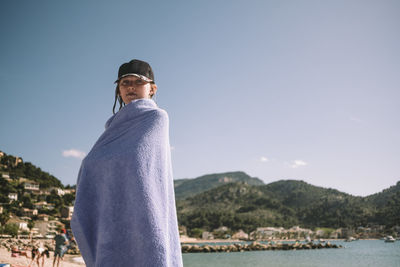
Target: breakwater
254,246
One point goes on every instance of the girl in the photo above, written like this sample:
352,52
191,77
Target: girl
124,213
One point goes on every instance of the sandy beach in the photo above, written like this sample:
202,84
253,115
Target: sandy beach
5,257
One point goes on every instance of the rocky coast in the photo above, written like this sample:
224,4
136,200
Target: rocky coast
254,246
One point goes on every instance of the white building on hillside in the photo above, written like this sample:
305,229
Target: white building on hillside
13,196
31,186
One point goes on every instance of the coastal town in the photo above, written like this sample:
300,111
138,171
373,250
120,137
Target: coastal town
31,208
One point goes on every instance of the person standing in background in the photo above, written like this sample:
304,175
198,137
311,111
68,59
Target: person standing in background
60,241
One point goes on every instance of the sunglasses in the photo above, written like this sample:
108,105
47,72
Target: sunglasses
130,83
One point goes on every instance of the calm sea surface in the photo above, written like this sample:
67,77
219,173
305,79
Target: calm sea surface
357,253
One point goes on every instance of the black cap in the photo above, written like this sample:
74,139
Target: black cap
137,68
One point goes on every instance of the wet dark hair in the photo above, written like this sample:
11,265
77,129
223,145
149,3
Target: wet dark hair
119,98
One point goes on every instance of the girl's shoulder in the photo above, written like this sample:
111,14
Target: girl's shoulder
160,115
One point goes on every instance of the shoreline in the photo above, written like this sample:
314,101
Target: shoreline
73,260
201,241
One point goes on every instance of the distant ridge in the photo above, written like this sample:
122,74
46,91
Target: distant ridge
380,199
298,194
239,205
189,187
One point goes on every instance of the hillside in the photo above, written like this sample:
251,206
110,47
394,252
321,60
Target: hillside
190,187
16,167
387,205
380,199
298,194
235,205
283,203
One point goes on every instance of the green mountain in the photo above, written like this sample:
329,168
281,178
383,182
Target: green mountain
284,203
235,205
387,205
318,206
380,199
297,194
189,187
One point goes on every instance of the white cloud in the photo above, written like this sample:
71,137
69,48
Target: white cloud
355,119
298,163
264,159
75,153
172,147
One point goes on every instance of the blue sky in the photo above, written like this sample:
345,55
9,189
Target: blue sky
279,89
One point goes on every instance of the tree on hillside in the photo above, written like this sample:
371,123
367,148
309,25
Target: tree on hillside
31,224
68,199
11,229
390,214
27,201
14,207
55,199
5,189
4,217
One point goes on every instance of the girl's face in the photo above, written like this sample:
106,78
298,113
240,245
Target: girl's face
132,87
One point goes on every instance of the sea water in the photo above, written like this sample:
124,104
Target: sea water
356,253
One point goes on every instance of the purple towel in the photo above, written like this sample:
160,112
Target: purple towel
124,212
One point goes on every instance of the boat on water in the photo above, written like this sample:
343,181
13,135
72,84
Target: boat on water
389,239
350,239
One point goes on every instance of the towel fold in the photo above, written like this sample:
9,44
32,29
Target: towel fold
124,212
